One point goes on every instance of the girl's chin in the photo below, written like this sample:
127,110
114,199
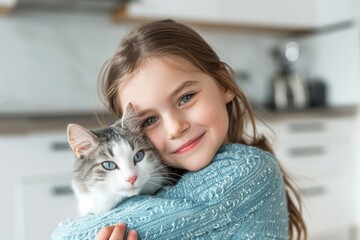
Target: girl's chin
197,167
193,164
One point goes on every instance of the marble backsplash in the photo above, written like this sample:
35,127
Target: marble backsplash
50,61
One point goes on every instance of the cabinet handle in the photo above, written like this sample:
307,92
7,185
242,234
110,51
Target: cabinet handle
60,146
307,151
306,127
313,191
62,190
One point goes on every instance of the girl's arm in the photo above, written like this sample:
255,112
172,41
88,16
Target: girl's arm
225,193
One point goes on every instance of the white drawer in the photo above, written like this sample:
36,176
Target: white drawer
315,159
46,154
327,206
309,128
43,203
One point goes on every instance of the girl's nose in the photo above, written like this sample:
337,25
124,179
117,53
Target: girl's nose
176,126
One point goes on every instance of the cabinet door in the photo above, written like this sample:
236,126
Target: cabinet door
274,13
11,149
47,153
316,148
45,202
43,185
288,14
200,10
317,154
327,207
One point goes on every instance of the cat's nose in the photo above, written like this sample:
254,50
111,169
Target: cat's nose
132,179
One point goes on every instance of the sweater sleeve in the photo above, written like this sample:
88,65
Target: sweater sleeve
230,190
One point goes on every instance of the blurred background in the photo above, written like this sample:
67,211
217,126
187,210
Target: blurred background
298,61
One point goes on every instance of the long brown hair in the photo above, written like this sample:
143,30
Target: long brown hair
169,38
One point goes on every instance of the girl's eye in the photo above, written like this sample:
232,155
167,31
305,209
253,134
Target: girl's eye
150,121
139,156
109,165
186,98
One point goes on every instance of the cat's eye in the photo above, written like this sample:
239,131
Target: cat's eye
139,156
109,165
186,98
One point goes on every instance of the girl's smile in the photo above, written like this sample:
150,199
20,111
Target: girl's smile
189,145
183,110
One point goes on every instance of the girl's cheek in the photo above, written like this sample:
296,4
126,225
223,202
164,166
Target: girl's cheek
155,139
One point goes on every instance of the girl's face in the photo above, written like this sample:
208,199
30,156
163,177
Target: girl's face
183,111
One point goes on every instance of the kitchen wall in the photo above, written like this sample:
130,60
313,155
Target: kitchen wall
64,54
325,54
50,60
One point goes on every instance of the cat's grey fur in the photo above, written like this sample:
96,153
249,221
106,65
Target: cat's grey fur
99,190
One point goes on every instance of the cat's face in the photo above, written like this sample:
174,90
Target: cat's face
118,159
120,165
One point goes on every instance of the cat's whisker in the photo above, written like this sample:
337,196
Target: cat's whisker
161,186
164,182
162,176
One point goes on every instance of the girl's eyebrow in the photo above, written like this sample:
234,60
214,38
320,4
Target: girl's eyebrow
143,113
182,87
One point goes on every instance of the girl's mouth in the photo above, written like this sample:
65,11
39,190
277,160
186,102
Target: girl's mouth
189,145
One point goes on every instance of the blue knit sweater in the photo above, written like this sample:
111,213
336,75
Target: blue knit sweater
240,195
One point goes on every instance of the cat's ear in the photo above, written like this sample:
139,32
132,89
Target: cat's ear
130,119
81,140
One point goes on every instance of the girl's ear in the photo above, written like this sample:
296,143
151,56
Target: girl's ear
229,95
81,140
130,119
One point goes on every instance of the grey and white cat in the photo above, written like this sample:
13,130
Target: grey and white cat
113,163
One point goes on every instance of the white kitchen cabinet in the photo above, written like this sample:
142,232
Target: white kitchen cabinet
36,167
46,201
48,154
288,14
11,149
317,153
294,14
42,190
201,10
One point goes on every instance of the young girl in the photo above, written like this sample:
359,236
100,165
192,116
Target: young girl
196,116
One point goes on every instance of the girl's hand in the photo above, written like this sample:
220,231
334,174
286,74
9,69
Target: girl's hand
116,232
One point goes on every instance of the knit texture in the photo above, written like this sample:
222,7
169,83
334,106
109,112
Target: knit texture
240,195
